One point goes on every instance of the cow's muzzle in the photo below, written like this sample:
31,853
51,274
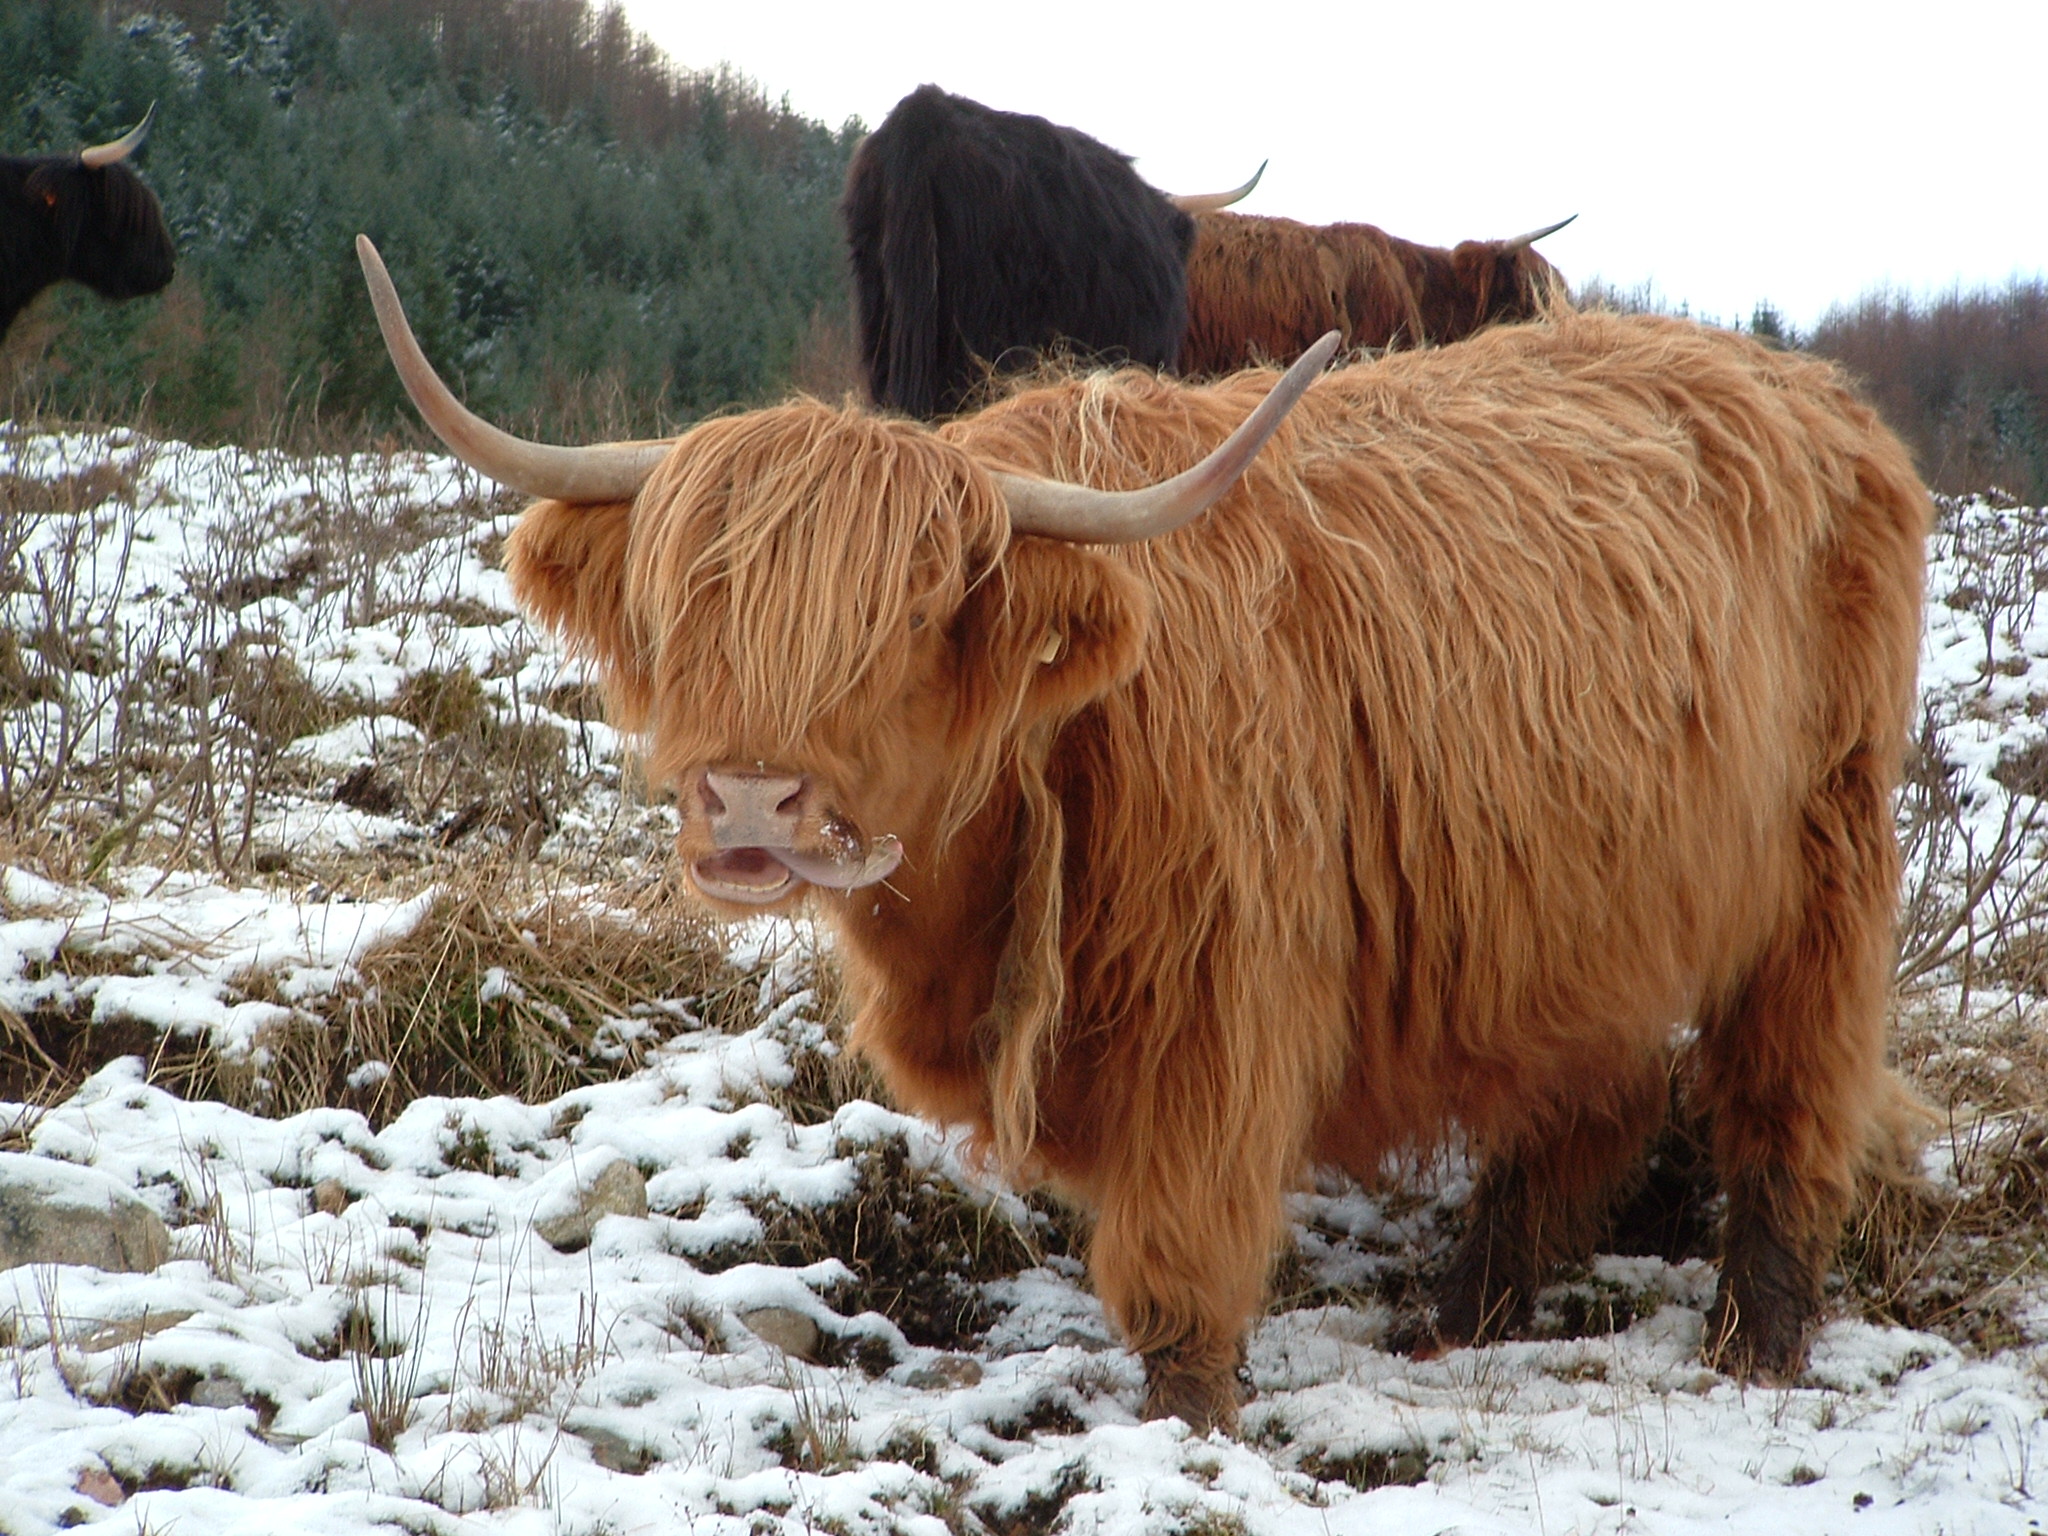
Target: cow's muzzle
772,834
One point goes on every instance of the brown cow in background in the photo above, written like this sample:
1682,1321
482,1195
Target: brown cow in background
1261,289
1527,700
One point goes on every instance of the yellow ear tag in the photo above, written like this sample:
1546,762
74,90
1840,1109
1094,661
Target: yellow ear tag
1049,652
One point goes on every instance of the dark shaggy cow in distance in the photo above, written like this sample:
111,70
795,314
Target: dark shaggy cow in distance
1262,289
1526,700
980,239
85,216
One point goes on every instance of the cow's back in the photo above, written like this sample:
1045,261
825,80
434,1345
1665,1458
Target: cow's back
1505,671
1260,290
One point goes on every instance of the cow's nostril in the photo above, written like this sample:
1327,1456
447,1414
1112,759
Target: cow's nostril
791,803
708,797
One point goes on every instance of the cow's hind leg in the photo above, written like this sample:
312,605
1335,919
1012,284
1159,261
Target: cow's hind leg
1792,1076
1544,1201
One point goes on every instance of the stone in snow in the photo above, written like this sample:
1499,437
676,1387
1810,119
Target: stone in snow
54,1212
596,1182
787,1329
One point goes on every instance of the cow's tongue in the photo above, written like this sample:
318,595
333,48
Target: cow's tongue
882,857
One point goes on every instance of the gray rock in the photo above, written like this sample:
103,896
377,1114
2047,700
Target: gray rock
217,1392
123,1331
946,1371
1078,1338
573,1199
616,1452
788,1330
60,1213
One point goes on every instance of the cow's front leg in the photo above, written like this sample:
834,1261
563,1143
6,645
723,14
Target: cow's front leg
1201,1117
1188,1196
1183,1276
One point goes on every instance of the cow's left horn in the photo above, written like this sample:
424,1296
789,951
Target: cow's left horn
1210,202
116,150
1523,242
604,472
1082,515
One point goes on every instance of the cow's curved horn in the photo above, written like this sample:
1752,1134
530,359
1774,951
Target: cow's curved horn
1210,202
1523,242
1082,515
604,472
116,150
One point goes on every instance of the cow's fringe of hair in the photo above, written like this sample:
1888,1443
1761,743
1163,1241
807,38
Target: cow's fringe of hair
728,656
1023,1019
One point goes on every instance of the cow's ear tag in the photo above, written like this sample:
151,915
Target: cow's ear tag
49,199
1049,652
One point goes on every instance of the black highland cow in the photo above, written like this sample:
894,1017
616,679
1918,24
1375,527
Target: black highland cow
85,216
979,238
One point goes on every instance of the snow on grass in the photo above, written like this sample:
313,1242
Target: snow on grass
192,939
359,1330
617,1389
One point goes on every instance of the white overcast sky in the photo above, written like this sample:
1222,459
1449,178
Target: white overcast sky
1799,152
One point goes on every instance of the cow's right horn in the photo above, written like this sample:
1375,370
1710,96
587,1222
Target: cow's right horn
1522,242
1081,514
603,472
116,150
1210,202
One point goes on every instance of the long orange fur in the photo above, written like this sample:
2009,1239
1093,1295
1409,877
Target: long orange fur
1525,700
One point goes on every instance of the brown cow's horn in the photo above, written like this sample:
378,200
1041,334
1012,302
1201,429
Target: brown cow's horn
100,155
1523,242
1210,202
1081,515
604,472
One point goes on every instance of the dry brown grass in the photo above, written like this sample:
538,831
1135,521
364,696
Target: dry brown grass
79,490
827,361
503,990
1958,1256
508,985
919,1245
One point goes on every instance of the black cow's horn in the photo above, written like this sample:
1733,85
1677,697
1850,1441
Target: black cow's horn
1523,242
602,472
1082,515
116,150
1210,202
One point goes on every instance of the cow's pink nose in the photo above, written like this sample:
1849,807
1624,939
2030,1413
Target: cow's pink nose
753,810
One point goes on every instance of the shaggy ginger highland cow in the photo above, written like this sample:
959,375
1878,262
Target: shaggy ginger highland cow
1523,701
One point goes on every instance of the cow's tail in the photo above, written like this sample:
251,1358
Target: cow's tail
1022,1022
910,269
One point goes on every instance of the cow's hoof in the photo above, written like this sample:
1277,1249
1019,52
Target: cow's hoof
1766,1346
1416,1336
1206,1400
1474,1308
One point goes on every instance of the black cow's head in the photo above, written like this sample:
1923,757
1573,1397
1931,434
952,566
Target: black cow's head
87,217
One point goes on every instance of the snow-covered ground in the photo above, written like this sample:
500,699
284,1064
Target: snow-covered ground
360,1329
